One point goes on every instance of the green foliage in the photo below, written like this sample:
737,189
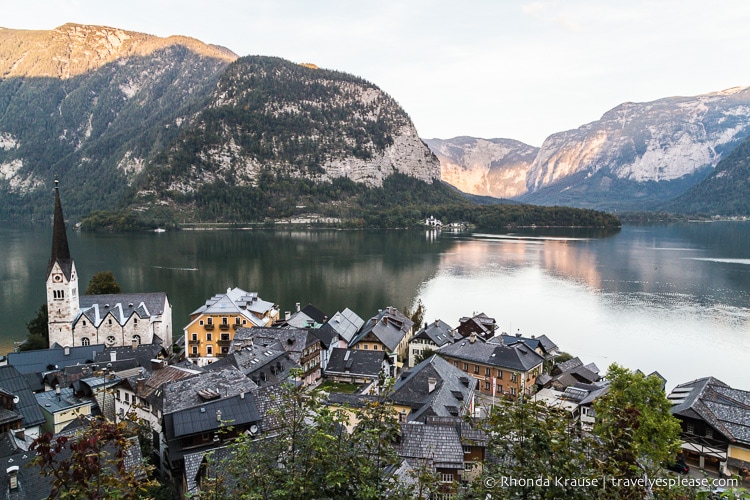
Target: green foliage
417,317
38,331
117,220
103,282
310,453
91,465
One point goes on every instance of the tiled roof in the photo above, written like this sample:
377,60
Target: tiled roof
725,409
438,444
438,332
356,362
14,383
516,357
346,323
389,327
184,394
450,395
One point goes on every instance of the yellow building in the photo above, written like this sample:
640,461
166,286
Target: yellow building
61,408
209,334
389,331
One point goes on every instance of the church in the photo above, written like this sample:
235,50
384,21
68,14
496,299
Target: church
125,319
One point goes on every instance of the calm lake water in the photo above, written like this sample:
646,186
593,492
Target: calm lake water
674,298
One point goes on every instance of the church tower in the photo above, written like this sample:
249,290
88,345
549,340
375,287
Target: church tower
62,282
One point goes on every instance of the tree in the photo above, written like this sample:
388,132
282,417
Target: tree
38,331
417,316
91,465
102,283
637,433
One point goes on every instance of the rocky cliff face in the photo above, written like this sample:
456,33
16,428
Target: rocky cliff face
271,115
637,156
491,167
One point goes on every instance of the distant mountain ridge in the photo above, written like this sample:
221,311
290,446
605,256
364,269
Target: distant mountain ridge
637,156
128,118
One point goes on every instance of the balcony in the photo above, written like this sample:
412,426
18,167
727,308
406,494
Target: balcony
224,326
194,342
209,326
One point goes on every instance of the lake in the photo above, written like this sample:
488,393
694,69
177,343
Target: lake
672,298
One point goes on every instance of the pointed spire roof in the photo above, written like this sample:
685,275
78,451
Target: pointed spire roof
60,249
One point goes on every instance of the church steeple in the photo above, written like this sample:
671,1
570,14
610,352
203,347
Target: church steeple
60,249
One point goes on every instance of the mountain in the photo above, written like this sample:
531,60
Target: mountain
489,167
726,191
129,119
636,157
92,105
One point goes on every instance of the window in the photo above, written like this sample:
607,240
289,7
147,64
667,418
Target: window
85,341
224,336
467,449
513,377
84,322
195,350
709,432
110,339
466,367
500,374
237,320
137,339
225,350
375,347
499,388
109,321
468,466
476,369
690,428
224,321
127,397
209,336
209,350
117,396
365,347
512,391
135,321
486,386
194,336
210,321
58,294
200,322
488,372
446,478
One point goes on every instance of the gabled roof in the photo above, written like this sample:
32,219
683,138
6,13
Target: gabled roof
12,382
515,357
326,334
439,332
236,410
346,323
389,327
725,409
185,393
44,360
451,393
437,444
263,364
121,307
291,340
356,362
237,301
152,388
542,342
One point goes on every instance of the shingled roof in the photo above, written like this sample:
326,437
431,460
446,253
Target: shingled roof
517,357
437,444
725,409
389,327
356,362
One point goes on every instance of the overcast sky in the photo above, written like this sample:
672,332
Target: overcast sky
496,68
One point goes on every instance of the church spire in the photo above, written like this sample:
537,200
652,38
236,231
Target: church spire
60,249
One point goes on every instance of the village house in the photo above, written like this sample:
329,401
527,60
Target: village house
480,324
500,369
265,362
542,345
346,324
388,331
212,326
62,408
20,409
430,338
715,420
357,367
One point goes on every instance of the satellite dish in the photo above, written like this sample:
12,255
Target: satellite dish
253,429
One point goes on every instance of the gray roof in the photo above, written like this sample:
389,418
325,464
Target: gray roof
12,382
326,334
437,444
237,301
515,357
263,363
183,394
236,410
542,342
356,362
291,340
451,395
568,365
67,400
346,323
439,332
389,327
44,360
121,306
725,409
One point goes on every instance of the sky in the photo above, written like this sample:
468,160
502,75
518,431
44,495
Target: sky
483,68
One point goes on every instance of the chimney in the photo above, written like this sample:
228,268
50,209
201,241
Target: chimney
431,383
425,325
287,315
297,306
436,322
472,337
12,472
157,364
140,382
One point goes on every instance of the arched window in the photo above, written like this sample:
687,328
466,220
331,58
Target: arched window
137,339
85,341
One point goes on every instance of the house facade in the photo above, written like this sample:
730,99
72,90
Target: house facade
212,326
389,331
431,337
501,370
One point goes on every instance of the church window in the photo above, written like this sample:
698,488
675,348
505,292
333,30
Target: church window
135,321
137,339
85,340
111,339
109,321
84,322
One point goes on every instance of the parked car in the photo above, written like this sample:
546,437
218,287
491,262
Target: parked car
679,466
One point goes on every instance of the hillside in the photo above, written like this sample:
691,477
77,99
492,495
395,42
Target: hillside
636,157
93,106
726,191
